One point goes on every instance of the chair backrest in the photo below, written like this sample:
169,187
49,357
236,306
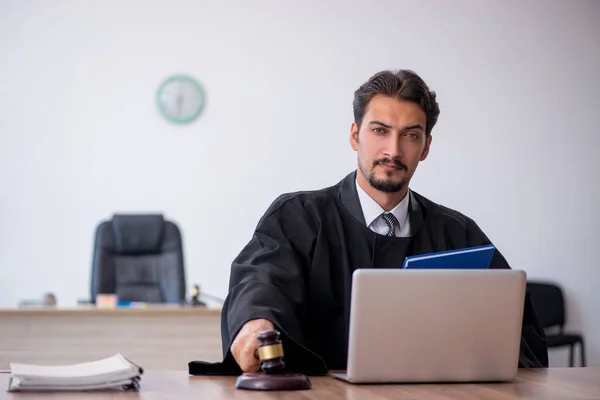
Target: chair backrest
548,301
139,257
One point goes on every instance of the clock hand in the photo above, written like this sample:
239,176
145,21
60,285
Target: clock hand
179,103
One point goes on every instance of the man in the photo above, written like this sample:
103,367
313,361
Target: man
295,273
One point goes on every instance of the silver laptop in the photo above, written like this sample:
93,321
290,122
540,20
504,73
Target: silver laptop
434,325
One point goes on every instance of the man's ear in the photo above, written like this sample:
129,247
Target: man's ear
425,152
354,136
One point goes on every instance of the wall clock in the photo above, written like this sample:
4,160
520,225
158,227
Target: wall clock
180,99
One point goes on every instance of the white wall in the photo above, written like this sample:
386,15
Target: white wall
80,136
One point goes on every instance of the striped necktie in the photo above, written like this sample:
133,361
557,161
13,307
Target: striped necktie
391,222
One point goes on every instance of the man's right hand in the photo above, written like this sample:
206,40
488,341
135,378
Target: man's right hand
245,344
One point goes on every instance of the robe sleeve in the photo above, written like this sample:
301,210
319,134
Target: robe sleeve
267,281
534,348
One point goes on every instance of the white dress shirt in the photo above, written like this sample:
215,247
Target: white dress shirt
372,213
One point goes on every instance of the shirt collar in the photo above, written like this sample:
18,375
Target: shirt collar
371,210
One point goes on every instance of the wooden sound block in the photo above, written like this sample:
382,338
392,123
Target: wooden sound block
262,381
272,377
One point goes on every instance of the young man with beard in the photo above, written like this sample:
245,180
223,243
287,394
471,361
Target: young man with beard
295,274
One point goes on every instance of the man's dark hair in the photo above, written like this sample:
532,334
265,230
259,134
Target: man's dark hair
403,85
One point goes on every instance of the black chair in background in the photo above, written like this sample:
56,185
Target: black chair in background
549,304
139,258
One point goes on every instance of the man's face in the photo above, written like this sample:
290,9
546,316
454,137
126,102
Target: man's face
390,143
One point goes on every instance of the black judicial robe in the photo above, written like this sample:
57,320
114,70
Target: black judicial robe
296,271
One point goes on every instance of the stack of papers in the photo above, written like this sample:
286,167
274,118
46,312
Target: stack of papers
115,372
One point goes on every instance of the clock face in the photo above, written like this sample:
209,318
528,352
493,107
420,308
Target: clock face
180,99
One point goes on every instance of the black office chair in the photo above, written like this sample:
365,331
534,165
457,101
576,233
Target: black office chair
139,258
548,301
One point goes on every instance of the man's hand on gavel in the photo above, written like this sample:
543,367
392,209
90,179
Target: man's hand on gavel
245,344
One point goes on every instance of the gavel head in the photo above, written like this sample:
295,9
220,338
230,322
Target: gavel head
270,352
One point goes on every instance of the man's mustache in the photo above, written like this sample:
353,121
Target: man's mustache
396,162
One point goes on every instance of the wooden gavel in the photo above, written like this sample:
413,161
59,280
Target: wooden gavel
270,354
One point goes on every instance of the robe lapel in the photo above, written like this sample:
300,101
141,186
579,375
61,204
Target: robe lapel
349,197
415,213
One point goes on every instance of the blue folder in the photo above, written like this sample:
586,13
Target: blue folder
478,257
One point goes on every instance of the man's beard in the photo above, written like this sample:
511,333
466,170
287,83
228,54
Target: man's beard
384,185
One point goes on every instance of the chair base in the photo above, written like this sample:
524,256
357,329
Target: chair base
568,339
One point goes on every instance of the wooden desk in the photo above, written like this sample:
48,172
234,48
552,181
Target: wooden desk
549,384
158,337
